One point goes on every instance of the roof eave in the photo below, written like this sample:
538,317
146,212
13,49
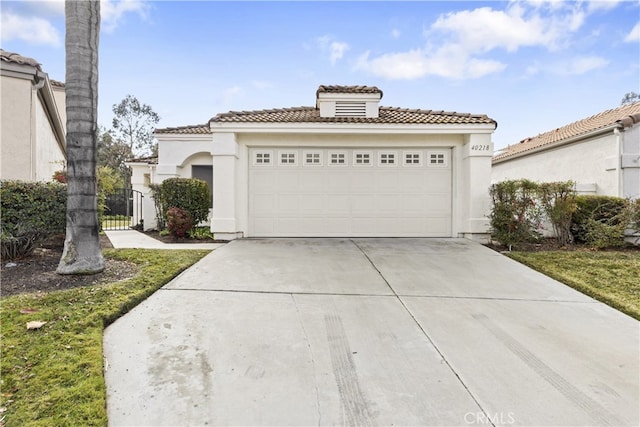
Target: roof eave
182,136
557,144
52,112
350,128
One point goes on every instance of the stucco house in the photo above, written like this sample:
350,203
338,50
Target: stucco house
600,153
32,120
344,167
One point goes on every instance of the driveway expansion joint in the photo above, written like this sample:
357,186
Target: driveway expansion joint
426,335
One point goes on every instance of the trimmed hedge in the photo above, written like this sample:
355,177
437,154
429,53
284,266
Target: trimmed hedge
29,211
189,194
33,207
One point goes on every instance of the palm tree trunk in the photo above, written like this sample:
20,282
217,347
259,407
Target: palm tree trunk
82,253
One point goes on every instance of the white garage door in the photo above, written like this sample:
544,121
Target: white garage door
350,193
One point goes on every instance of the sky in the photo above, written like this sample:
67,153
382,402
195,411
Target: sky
532,66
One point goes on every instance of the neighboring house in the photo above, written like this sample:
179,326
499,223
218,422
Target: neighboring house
600,153
32,121
346,167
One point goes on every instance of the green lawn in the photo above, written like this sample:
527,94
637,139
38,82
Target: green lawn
611,277
53,376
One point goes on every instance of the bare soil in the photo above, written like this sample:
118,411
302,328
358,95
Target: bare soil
37,272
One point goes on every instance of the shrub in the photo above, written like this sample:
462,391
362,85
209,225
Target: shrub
189,194
634,215
179,222
594,210
33,207
201,233
558,200
30,211
515,216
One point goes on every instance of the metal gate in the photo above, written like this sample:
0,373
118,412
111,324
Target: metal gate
123,210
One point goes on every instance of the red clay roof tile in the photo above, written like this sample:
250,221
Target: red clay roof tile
623,114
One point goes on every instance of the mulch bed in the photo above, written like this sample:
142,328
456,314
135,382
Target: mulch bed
170,239
37,272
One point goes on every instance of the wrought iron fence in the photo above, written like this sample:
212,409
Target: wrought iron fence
123,210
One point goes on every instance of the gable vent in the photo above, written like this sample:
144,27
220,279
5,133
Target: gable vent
351,109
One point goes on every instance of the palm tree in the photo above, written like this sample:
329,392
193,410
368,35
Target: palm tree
82,254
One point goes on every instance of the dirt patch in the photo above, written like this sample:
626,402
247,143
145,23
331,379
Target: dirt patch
37,272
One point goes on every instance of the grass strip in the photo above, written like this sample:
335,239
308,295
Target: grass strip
610,277
53,376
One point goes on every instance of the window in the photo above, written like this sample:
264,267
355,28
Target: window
205,173
313,158
262,158
437,159
361,159
338,158
412,158
288,158
387,158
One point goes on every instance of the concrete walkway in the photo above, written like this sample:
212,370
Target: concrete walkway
136,240
413,332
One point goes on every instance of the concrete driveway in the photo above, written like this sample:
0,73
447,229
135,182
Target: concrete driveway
370,332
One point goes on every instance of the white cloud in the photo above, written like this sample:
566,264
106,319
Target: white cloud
112,12
602,5
578,65
32,30
337,51
517,26
448,62
634,34
395,33
334,48
458,44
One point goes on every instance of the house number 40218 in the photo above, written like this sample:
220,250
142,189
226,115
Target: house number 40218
480,147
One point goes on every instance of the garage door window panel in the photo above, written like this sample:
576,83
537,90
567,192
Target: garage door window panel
338,158
288,158
412,159
362,158
312,158
388,158
262,158
437,159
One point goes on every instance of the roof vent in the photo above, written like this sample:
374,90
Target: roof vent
348,101
351,109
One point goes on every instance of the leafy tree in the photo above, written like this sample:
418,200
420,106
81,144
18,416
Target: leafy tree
113,154
133,125
82,253
630,98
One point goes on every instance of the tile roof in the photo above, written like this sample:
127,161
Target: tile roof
387,115
152,160
347,89
624,116
56,83
194,129
18,59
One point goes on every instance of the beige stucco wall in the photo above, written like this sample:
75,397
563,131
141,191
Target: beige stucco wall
593,161
631,162
48,155
61,103
228,153
16,128
29,148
